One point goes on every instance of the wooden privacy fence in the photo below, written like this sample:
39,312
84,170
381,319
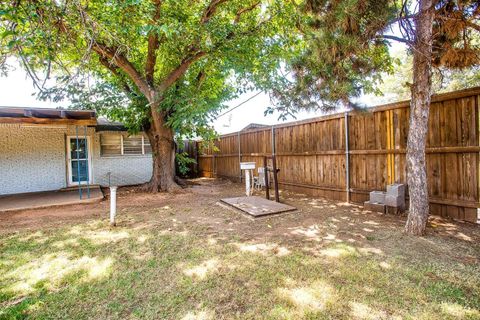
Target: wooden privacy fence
345,156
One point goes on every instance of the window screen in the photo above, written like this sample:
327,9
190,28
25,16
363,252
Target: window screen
146,146
132,145
111,144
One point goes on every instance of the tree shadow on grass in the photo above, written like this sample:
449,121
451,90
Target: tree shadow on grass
151,271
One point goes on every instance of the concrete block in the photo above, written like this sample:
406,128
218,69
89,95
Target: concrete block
394,210
377,197
396,189
395,201
375,207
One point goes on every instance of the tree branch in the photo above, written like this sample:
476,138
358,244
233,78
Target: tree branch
114,69
180,70
472,25
389,37
244,10
153,44
238,16
467,22
110,53
211,10
120,61
401,18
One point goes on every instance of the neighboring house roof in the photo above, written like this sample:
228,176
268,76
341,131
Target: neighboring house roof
47,116
107,125
253,126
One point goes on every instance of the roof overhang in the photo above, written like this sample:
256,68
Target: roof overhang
47,116
104,124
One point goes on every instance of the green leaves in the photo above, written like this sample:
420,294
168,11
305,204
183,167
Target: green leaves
184,162
242,42
342,59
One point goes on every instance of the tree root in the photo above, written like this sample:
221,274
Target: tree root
152,187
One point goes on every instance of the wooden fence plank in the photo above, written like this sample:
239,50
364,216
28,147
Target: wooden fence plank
311,153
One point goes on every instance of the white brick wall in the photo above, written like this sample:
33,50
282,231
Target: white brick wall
125,170
34,159
31,159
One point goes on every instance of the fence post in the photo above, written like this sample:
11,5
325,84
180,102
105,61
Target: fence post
347,159
273,141
214,166
477,105
197,165
239,156
265,172
390,147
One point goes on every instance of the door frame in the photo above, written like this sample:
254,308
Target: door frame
70,183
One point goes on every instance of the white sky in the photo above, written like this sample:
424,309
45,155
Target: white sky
17,90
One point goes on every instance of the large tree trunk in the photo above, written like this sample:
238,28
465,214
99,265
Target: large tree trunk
419,109
163,150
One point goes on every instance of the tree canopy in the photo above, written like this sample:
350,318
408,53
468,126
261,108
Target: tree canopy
395,86
347,52
189,56
347,48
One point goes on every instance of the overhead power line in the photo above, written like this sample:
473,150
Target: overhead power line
240,104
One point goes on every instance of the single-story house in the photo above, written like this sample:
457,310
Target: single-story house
51,149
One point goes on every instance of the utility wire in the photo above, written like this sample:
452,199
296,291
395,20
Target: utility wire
240,104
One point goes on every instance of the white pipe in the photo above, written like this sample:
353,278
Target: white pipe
113,205
347,159
247,183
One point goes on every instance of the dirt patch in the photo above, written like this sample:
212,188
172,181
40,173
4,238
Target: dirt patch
195,253
316,223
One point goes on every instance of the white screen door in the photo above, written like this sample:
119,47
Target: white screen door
79,160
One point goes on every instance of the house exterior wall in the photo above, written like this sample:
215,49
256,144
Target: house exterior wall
33,158
124,170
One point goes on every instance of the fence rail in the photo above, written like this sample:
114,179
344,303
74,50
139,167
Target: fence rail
345,156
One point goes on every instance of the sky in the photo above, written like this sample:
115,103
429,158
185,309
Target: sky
16,90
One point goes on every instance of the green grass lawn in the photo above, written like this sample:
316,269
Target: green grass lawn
92,271
150,267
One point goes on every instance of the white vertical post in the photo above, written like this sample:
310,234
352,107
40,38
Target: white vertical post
239,155
247,183
113,205
347,159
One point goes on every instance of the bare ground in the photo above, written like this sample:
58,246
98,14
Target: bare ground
317,222
185,256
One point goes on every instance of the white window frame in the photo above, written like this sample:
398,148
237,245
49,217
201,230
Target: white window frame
122,152
70,181
121,144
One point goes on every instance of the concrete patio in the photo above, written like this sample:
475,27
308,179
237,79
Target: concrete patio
46,199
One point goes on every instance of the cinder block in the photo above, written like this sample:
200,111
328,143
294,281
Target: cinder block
377,197
394,210
375,207
396,189
395,201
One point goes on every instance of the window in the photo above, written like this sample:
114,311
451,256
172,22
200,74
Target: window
117,144
111,144
133,145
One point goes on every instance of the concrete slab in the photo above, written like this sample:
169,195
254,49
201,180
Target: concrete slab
47,199
257,206
374,207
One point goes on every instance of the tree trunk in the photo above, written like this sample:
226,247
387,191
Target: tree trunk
419,109
163,151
